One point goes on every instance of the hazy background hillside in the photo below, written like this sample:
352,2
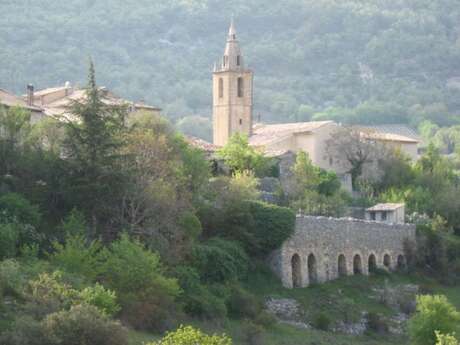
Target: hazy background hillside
351,60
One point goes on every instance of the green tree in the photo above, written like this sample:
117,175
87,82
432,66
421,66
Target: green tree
77,256
434,313
92,144
187,335
239,156
445,339
136,275
14,128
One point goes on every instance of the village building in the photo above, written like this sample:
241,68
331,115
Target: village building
321,248
233,113
57,101
8,100
392,213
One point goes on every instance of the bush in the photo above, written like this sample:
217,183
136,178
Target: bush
20,209
434,313
197,299
103,299
191,336
135,273
220,260
446,339
76,256
265,319
83,325
11,278
26,331
243,304
322,321
48,294
9,239
271,225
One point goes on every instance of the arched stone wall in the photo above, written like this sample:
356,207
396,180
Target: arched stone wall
372,263
328,239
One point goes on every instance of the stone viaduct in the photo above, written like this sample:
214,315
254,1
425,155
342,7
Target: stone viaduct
323,249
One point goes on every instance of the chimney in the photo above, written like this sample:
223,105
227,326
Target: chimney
30,95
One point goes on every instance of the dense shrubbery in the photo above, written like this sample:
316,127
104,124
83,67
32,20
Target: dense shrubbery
218,260
191,336
434,313
80,325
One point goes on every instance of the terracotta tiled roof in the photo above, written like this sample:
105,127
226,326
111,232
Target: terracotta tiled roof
201,144
388,137
269,134
391,132
10,100
386,207
61,106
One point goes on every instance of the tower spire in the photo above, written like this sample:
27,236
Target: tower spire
232,59
231,30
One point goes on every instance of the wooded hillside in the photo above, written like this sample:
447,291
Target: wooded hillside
354,61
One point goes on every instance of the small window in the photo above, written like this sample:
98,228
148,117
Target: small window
225,60
331,161
221,88
372,215
384,215
238,60
241,122
240,87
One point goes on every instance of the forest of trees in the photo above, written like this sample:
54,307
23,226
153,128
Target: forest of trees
368,61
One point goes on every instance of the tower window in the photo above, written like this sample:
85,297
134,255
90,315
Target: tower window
221,88
240,87
241,121
238,60
225,60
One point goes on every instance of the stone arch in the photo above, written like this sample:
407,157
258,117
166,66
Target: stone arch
387,261
372,263
401,262
296,266
312,270
342,265
357,264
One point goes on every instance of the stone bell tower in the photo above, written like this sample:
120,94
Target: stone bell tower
231,93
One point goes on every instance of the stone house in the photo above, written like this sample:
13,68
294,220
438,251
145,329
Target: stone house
7,99
56,101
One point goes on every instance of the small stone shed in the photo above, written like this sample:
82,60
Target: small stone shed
388,213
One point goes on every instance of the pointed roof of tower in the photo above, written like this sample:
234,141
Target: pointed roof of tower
232,59
232,30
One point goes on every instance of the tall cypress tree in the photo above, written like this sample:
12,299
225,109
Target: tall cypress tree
94,133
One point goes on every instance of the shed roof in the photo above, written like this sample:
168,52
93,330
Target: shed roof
385,207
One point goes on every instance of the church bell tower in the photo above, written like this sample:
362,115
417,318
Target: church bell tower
231,93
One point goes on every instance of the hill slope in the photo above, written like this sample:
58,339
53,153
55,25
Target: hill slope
399,57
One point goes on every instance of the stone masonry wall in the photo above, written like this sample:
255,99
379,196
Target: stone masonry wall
323,249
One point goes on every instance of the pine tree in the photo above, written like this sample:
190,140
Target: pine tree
92,146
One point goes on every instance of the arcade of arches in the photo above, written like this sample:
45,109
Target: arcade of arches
323,249
307,269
